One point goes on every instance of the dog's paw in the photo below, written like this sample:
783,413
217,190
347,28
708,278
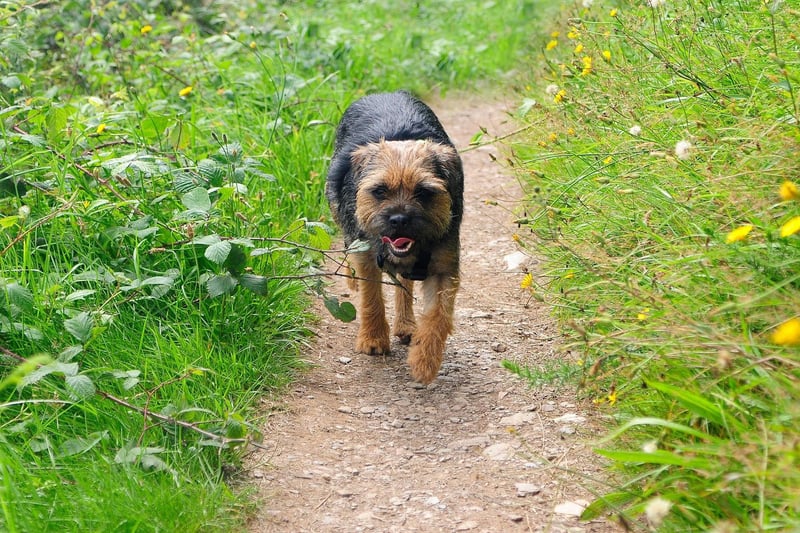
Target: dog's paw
424,360
372,345
404,331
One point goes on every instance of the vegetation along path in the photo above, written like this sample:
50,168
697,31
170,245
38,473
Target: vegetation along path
358,446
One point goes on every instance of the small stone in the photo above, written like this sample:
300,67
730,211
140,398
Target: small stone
516,518
396,501
345,360
367,410
569,508
258,474
502,451
482,440
567,430
548,408
433,500
344,493
481,314
415,385
517,419
525,489
467,525
570,418
515,262
345,409
499,347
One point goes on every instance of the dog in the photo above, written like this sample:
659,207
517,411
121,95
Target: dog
396,182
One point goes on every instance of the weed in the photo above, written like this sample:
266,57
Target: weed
663,156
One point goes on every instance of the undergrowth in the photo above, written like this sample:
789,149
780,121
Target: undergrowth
162,226
661,161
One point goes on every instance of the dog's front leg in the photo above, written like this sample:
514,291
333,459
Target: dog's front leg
435,324
373,334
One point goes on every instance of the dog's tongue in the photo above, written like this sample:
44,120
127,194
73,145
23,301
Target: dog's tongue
399,243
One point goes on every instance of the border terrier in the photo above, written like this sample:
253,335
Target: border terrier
396,182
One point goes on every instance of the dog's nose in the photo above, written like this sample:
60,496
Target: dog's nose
398,221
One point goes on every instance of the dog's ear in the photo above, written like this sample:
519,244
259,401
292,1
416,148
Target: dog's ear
448,162
361,157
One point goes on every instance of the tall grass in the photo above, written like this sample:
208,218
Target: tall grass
161,183
662,165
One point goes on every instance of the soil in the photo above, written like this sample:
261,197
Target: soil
358,446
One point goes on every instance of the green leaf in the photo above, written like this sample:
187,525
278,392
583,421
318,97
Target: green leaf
80,445
78,295
254,283
69,353
218,252
56,122
358,246
80,386
179,135
694,403
345,311
80,326
220,285
652,421
659,457
607,503
15,294
197,200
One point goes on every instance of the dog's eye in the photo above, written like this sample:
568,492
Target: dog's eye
379,192
424,194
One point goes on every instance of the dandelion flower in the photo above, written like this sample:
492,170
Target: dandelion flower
635,130
101,128
186,91
791,227
555,34
657,510
552,44
788,333
579,48
551,89
147,28
559,96
587,65
608,160
643,315
683,150
607,55
613,12
526,282
573,34
739,234
612,397
553,137
789,191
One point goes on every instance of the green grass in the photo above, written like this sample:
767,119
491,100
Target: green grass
162,175
676,325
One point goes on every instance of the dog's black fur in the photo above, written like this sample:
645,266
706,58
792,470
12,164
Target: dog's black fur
396,116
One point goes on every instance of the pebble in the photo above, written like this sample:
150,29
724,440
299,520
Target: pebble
569,508
433,500
499,347
516,518
515,262
345,409
367,410
482,440
502,451
525,489
570,418
467,525
566,430
548,408
517,419
345,360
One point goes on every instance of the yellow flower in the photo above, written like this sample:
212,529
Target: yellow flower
579,48
789,191
147,28
515,237
555,34
607,55
613,12
608,160
552,44
739,234
612,397
570,131
587,65
186,91
253,45
101,128
573,34
791,227
552,137
788,333
526,282
643,315
559,96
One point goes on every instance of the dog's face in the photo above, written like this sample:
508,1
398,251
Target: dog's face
402,196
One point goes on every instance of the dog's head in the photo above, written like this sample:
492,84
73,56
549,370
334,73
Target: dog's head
403,194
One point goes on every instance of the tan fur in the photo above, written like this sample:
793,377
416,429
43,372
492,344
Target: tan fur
400,167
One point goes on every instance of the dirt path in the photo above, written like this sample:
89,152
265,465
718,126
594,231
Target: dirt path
360,447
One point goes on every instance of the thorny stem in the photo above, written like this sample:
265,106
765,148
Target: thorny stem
146,413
